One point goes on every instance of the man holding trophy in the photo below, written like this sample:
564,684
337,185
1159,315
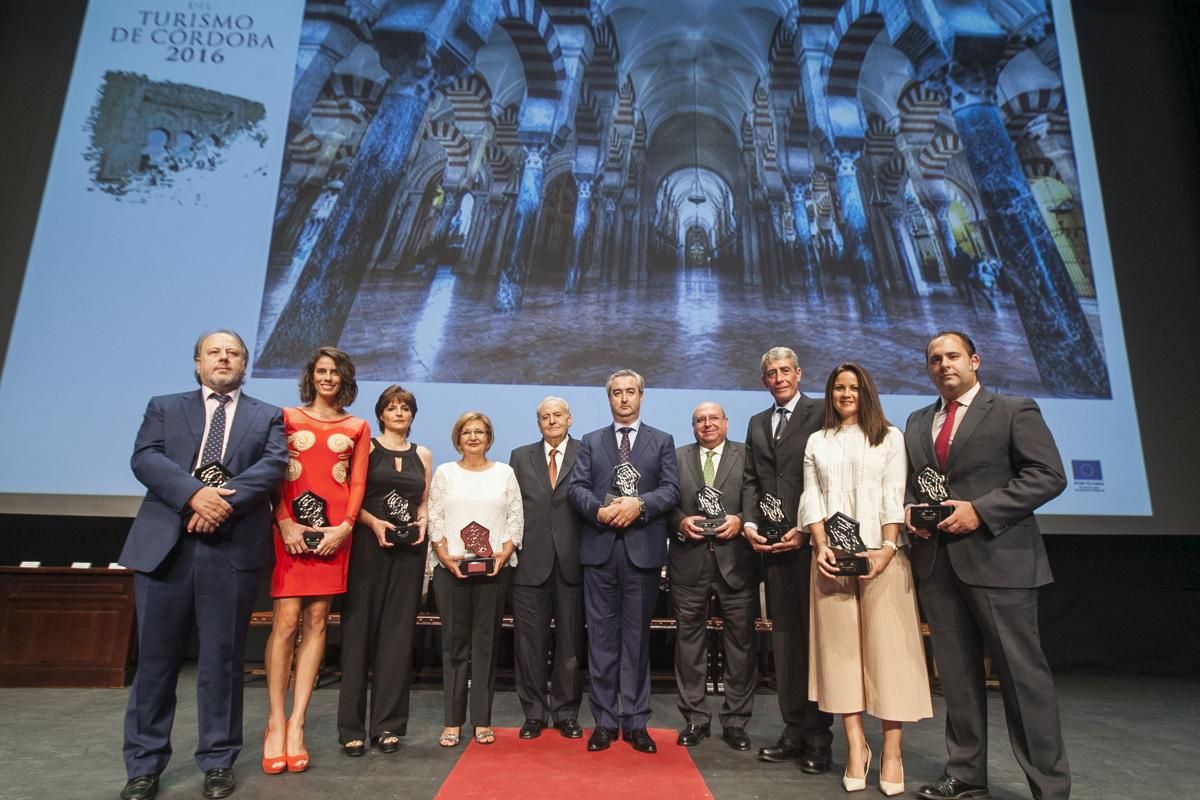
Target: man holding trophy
624,484
709,556
989,461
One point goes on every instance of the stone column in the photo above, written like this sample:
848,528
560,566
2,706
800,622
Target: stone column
860,259
316,312
1066,352
441,229
804,248
912,277
511,290
583,217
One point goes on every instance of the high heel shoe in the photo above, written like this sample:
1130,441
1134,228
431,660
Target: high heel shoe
857,784
298,762
275,765
891,788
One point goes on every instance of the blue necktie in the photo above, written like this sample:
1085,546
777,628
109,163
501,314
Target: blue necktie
624,448
215,442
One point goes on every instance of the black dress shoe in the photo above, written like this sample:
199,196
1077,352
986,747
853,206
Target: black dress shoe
950,788
784,750
143,787
641,741
815,760
218,783
693,734
601,738
736,737
569,728
532,729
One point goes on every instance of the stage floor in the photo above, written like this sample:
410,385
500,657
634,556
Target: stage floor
1127,736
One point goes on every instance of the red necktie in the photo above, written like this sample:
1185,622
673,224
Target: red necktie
553,469
941,445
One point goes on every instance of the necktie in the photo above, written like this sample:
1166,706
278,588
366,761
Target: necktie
941,445
783,420
215,442
710,471
553,468
623,448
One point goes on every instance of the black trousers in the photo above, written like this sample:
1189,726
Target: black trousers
472,610
963,620
533,607
787,577
379,622
738,609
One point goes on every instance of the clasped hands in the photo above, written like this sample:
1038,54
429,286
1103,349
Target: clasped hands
499,557
381,527
620,513
730,528
292,533
964,519
791,540
210,509
878,560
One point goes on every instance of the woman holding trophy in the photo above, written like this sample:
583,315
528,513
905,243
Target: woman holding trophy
865,650
476,521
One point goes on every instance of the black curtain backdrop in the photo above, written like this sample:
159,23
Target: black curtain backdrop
1120,602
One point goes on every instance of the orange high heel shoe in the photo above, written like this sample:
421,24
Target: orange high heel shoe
276,765
298,762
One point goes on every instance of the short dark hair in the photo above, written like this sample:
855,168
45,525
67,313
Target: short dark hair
345,370
394,392
870,411
966,340
214,332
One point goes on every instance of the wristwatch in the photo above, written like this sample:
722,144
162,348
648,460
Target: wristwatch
888,543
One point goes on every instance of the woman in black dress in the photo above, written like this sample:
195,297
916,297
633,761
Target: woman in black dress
379,613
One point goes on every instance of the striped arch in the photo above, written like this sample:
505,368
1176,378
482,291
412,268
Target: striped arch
601,72
765,131
880,141
536,40
639,134
587,118
506,129
499,164
1024,108
919,107
891,175
785,71
471,98
458,149
304,148
614,160
747,134
354,87
932,161
626,97
854,29
797,122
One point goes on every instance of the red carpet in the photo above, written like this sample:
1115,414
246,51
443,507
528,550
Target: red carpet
553,767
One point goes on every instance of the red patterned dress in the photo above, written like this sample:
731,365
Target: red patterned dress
329,459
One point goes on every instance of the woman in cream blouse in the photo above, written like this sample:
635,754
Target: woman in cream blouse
865,651
473,489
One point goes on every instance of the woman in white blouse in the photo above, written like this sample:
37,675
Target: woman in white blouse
473,489
865,650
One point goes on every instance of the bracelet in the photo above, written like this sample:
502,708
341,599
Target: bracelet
888,543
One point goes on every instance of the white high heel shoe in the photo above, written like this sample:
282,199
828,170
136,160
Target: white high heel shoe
857,784
891,788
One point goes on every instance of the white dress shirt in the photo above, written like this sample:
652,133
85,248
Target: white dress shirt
939,418
633,432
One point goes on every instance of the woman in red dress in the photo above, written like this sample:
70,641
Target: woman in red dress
321,494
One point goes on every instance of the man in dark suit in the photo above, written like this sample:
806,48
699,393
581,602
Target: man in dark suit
623,549
775,441
548,577
721,563
199,551
978,575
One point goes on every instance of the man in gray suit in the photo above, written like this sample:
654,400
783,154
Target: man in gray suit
723,563
979,573
548,577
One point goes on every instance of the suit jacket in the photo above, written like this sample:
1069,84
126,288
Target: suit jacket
164,454
551,523
778,468
735,557
1004,460
653,455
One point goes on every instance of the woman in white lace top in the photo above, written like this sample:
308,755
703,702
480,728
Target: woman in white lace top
475,490
865,651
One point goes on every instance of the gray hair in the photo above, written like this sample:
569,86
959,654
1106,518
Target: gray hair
625,373
778,354
552,399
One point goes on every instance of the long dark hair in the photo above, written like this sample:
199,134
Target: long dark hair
347,392
870,413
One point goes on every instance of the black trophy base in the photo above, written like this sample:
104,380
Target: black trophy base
403,534
849,565
926,518
312,539
708,527
476,567
773,533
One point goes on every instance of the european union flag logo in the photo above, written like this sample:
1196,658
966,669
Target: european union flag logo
1086,470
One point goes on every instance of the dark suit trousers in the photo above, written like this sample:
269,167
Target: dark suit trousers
195,584
532,609
787,577
619,599
472,610
379,621
738,609
962,621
